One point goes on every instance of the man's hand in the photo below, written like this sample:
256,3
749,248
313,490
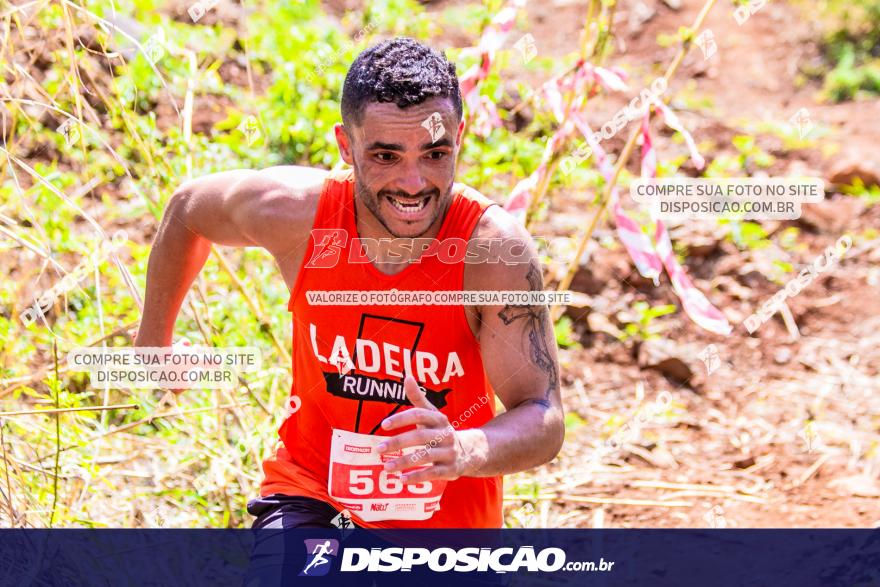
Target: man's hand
441,445
158,359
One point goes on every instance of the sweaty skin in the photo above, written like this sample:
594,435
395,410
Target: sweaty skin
393,155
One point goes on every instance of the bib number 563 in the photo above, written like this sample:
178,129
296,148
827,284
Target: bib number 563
362,482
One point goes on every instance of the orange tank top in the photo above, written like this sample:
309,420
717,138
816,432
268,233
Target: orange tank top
349,362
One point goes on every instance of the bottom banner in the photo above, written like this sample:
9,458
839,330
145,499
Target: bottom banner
716,558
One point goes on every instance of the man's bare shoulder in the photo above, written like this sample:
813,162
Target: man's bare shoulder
298,178
496,222
491,271
277,202
291,190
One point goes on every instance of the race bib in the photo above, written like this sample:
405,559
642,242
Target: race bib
358,481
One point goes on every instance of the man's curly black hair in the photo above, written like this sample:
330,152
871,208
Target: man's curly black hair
399,70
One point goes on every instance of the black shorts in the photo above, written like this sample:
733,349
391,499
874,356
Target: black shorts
279,556
282,512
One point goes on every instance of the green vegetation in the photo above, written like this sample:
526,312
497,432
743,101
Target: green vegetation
639,323
851,47
565,336
121,103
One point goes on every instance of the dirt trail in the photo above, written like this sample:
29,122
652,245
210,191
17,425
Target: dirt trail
783,433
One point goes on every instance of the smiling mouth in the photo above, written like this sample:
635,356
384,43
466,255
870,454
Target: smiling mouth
409,205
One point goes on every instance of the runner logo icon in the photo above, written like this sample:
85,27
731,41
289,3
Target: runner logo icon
321,553
329,243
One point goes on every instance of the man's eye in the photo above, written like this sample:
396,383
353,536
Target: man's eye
436,155
385,157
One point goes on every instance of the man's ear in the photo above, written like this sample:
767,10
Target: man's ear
459,133
344,143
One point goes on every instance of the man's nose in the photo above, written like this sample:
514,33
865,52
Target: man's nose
411,181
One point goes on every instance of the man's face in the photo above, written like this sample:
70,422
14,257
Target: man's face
404,162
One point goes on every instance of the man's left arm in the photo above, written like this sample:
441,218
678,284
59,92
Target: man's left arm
518,349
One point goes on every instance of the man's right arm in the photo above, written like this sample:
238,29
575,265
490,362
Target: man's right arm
272,208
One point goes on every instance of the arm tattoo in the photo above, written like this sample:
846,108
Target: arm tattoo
544,403
537,319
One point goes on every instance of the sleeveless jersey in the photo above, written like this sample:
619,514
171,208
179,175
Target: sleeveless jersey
349,362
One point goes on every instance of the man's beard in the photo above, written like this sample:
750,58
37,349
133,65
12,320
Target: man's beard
371,201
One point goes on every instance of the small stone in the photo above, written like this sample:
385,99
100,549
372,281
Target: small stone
847,171
675,361
782,356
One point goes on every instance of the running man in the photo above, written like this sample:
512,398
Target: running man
396,418
319,553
